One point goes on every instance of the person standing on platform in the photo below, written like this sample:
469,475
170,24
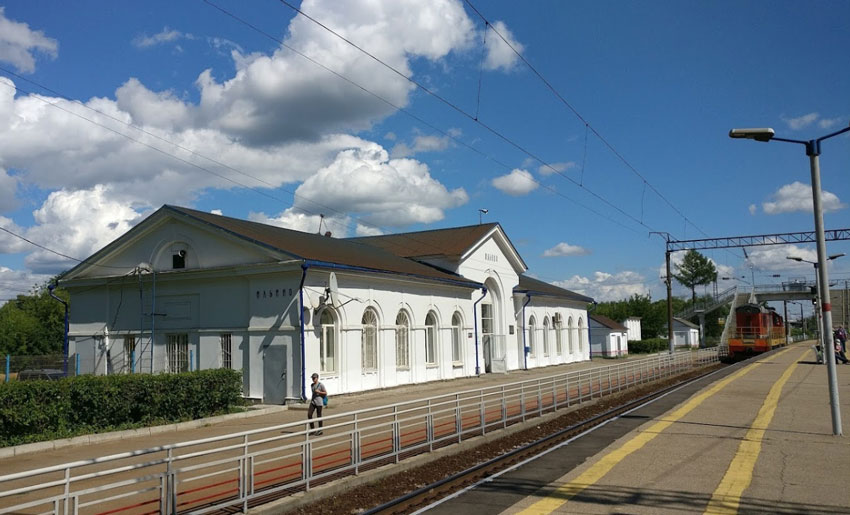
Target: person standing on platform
317,402
841,334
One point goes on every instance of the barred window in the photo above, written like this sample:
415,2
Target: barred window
431,339
570,334
226,355
532,336
129,353
369,341
402,340
546,336
177,350
580,335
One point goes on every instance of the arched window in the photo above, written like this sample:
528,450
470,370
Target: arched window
532,336
559,344
580,335
570,335
431,339
457,337
369,341
327,343
402,340
546,336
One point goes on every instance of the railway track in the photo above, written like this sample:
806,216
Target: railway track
455,483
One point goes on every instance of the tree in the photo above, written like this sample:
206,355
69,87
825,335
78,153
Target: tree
33,324
695,269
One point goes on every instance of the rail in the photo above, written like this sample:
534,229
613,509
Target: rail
237,470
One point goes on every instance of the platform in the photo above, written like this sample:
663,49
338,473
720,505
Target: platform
756,439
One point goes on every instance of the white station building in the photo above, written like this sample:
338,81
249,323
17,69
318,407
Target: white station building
188,290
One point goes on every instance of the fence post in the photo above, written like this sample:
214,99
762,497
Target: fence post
132,362
8,364
77,365
191,361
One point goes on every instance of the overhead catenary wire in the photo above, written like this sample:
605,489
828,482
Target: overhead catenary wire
202,168
581,118
462,112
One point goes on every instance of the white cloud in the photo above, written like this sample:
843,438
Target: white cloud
18,43
798,197
499,54
555,168
421,143
78,223
517,183
775,258
603,287
297,220
382,191
217,212
828,123
565,249
801,122
166,35
8,187
10,244
18,282
368,230
753,209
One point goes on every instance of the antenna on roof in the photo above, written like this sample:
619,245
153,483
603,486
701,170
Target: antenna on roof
480,213
321,219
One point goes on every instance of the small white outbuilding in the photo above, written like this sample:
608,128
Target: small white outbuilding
608,338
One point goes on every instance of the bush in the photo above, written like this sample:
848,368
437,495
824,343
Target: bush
44,410
649,346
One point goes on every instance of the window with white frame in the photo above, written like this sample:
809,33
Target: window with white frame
457,338
532,336
570,334
327,343
402,340
546,336
226,351
177,350
431,339
369,341
129,352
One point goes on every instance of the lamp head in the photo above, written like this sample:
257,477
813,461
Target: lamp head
835,256
761,134
794,258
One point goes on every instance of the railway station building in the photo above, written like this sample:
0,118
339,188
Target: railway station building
188,290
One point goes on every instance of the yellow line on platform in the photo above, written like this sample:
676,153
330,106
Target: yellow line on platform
567,491
727,496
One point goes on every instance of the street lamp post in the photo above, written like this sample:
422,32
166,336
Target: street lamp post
813,150
821,327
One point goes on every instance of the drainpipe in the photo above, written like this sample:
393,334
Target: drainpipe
524,346
304,267
65,345
475,322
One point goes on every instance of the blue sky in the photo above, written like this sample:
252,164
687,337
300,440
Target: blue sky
109,110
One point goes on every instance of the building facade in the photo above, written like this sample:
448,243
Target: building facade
188,290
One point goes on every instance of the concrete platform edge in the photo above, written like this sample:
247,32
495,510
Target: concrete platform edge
27,448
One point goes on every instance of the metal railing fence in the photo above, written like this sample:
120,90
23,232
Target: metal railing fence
237,470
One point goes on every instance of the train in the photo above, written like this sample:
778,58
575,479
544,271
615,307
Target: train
757,329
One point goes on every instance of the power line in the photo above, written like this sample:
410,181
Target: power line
55,251
581,118
458,109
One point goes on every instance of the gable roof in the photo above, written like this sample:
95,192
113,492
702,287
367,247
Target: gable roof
537,287
607,322
315,249
685,323
454,241
323,250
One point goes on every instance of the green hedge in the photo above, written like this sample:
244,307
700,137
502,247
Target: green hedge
649,346
33,411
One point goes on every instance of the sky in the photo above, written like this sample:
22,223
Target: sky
581,127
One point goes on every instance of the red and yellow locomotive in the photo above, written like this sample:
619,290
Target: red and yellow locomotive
757,329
